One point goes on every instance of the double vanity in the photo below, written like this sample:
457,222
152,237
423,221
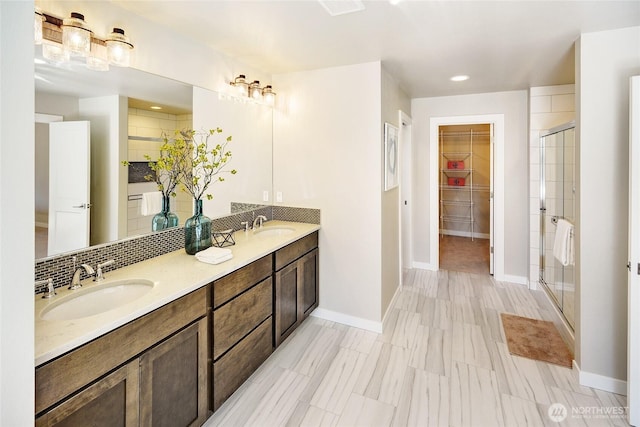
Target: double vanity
166,341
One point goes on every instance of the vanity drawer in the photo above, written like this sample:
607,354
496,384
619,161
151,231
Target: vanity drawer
239,316
237,282
295,250
240,362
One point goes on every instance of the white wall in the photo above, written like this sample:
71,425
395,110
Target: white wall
327,155
16,214
516,225
604,62
393,99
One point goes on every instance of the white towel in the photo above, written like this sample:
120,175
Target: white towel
214,255
563,242
151,203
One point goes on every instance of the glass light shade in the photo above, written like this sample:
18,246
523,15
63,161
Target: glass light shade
54,52
97,59
76,36
269,95
37,27
254,90
119,48
241,85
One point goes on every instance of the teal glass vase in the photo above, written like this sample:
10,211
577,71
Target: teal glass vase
165,218
197,231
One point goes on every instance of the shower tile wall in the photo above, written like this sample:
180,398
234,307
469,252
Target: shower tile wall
152,124
549,106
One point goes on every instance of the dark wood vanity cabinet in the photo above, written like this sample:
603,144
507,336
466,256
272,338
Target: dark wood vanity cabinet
296,285
241,325
151,371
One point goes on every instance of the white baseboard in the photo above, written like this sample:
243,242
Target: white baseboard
519,280
424,266
612,385
345,319
391,304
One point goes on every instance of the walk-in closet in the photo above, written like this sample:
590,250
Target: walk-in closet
464,198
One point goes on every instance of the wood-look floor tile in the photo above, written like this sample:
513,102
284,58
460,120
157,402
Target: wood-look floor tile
366,412
338,383
520,412
469,346
474,398
277,406
316,417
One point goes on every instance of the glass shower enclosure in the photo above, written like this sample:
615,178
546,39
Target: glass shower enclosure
557,201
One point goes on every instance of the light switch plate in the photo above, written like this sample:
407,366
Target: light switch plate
279,197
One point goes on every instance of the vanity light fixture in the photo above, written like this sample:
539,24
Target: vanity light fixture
253,91
76,35
269,95
62,38
37,26
241,85
119,48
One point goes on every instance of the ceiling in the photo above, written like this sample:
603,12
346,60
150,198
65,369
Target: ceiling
501,45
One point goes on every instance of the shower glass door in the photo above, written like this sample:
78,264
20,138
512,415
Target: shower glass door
557,201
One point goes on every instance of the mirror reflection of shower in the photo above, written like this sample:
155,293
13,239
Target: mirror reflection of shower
557,218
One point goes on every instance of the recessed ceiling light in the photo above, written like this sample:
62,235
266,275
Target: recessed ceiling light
459,78
155,107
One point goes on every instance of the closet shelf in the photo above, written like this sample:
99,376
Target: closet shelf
467,171
457,202
456,155
455,218
464,187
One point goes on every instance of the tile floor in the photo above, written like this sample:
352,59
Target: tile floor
441,361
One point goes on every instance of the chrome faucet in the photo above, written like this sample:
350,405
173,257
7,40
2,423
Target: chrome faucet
259,219
75,280
99,275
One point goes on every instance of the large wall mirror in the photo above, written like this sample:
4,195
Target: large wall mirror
117,113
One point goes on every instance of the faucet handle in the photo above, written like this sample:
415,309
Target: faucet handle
246,225
51,291
99,275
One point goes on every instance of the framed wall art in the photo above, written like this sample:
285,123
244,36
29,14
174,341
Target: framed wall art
390,156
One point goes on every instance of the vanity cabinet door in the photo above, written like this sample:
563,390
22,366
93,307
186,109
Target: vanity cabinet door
173,379
286,309
309,285
109,402
296,286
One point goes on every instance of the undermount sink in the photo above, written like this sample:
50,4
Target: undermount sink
96,299
273,231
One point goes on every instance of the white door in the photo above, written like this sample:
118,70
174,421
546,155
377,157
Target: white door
633,307
405,192
69,179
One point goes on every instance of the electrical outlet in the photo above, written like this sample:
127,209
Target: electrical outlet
279,197
265,196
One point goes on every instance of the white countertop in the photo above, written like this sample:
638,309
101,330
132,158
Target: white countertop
175,274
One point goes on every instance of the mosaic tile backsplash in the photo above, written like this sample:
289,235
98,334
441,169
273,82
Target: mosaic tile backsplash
136,249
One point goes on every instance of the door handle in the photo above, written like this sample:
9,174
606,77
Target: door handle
83,206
